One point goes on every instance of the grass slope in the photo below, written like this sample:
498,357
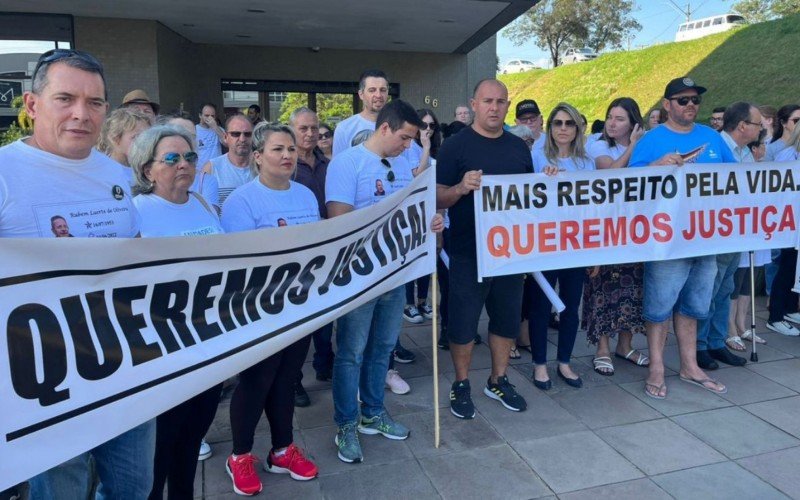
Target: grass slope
758,63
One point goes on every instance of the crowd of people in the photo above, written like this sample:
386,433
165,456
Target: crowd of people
172,177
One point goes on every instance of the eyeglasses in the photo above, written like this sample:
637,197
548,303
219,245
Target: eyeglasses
426,126
326,135
684,100
755,124
172,159
236,134
56,55
390,174
563,123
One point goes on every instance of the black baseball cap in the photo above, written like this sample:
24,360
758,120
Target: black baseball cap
678,85
527,106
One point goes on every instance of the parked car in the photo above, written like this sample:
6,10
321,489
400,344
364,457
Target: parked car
518,66
574,55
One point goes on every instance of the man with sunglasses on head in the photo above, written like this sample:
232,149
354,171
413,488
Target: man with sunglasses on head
366,336
233,168
373,90
680,289
57,170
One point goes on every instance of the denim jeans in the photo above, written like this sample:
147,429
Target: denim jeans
364,339
771,269
712,331
684,286
124,465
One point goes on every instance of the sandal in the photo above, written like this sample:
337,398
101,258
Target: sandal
654,391
735,343
701,383
641,360
514,354
748,335
525,348
602,363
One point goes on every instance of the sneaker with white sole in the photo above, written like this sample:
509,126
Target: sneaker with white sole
205,451
396,384
793,317
426,311
784,328
412,315
384,425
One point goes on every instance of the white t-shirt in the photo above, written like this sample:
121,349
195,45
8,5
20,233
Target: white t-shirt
347,129
760,258
567,164
208,145
208,187
772,150
229,176
39,191
358,178
592,138
161,217
255,206
787,154
601,148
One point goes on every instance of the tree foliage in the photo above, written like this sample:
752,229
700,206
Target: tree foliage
756,11
22,128
330,107
555,25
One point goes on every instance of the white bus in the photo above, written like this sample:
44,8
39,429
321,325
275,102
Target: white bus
708,26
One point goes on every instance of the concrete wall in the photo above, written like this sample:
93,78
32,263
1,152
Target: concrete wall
175,71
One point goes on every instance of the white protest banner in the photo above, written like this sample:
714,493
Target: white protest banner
533,222
100,335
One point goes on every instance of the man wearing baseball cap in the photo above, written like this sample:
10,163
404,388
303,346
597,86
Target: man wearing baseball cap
528,114
680,289
140,100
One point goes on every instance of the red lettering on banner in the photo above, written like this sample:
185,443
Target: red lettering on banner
645,223
528,246
663,231
725,225
768,227
569,233
614,235
787,219
545,236
590,231
502,249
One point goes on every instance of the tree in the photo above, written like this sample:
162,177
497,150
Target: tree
754,11
336,106
783,8
556,24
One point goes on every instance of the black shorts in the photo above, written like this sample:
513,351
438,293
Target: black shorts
741,282
501,295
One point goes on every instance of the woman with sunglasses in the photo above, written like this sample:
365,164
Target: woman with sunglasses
164,165
612,297
563,152
785,123
325,142
270,200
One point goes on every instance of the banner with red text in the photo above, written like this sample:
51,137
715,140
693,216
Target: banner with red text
100,335
533,222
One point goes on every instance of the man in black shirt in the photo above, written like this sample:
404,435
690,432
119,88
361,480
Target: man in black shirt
483,147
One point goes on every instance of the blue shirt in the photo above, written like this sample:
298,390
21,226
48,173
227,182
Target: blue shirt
663,140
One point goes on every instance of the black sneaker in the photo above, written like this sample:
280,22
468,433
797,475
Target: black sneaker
301,399
443,343
461,401
324,375
403,355
504,392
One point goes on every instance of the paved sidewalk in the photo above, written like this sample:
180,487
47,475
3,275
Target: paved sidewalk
605,440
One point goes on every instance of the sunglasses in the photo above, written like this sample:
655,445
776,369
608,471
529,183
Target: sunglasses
326,135
563,123
684,100
55,55
237,134
172,159
426,126
390,174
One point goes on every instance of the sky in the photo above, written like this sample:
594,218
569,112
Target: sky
659,20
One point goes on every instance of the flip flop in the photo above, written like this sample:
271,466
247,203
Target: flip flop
735,343
748,335
514,354
701,383
642,360
603,362
655,394
525,348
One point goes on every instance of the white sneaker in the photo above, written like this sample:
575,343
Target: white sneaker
396,384
793,317
784,328
205,451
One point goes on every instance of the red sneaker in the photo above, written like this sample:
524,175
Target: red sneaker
243,473
292,462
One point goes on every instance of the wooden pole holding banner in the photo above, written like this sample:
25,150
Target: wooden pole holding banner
753,353
434,346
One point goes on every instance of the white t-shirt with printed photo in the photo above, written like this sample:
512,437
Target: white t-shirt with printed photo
256,206
346,130
43,195
161,217
358,178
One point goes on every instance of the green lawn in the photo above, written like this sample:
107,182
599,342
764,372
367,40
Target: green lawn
758,63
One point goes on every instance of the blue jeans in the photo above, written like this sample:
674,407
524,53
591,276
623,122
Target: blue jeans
684,286
771,269
364,339
712,331
124,465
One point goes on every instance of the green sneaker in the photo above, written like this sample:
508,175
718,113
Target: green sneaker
383,424
349,449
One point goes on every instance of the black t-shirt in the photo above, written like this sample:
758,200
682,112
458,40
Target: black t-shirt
468,150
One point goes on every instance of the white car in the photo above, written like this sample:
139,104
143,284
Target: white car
518,66
578,55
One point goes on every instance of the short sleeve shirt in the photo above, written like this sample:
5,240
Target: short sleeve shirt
358,178
663,140
256,206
